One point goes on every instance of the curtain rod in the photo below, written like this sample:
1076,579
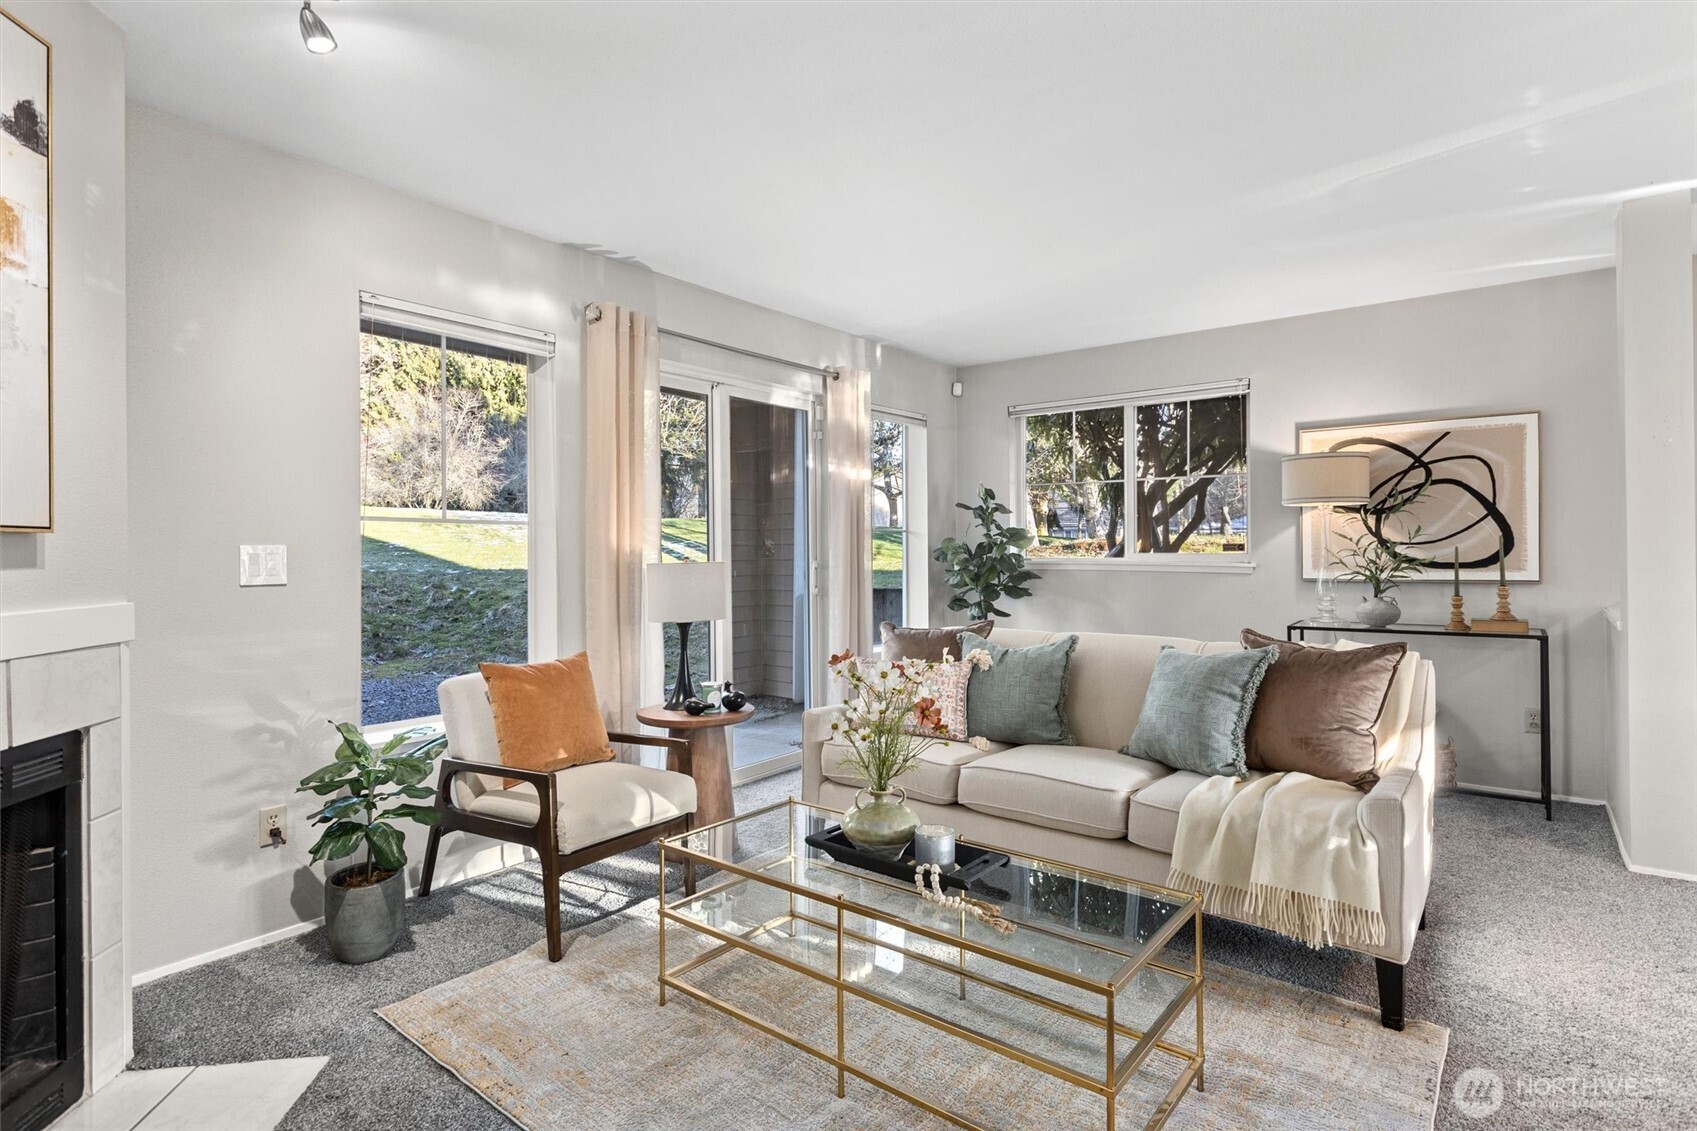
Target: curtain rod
823,372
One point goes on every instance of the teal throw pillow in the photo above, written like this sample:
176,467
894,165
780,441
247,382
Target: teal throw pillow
1021,696
1197,711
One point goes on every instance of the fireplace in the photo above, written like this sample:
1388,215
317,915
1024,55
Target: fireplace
41,931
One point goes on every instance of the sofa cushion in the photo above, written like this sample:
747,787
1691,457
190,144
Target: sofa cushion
1021,696
1318,709
928,643
1107,678
597,802
1387,732
1152,819
1198,710
936,779
1079,789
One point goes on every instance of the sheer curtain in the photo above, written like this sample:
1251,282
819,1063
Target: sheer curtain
621,528
847,559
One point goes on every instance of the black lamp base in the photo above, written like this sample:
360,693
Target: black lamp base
683,688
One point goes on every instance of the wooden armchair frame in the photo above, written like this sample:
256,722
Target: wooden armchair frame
543,836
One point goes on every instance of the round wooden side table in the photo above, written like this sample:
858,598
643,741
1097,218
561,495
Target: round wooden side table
709,755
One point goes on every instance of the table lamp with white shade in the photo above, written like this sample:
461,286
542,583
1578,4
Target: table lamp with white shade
682,593
1324,480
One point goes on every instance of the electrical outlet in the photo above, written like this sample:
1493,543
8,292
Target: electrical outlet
1534,721
275,817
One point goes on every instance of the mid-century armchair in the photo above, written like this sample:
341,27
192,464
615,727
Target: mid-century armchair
571,817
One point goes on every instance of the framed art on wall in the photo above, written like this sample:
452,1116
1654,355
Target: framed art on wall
1466,487
26,280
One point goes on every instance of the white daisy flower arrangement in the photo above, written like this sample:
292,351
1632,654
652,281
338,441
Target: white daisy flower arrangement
890,717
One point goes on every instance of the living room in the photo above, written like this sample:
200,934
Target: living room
1228,474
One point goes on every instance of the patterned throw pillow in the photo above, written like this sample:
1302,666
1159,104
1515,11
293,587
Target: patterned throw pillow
945,687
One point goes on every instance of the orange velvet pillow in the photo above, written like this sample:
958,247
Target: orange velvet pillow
546,715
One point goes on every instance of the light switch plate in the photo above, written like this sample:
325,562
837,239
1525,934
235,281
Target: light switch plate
265,565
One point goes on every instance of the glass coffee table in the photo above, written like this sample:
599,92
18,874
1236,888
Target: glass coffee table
856,969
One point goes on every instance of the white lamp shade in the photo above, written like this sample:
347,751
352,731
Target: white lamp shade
686,592
1338,479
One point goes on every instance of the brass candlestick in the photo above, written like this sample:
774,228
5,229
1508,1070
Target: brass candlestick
1458,622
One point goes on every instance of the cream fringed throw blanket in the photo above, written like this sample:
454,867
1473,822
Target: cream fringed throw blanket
1282,851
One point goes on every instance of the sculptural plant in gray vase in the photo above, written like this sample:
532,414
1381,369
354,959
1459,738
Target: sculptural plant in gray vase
365,903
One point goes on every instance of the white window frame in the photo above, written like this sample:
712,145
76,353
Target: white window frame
916,484
542,548
1230,562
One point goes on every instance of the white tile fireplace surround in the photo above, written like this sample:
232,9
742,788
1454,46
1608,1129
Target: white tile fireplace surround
75,678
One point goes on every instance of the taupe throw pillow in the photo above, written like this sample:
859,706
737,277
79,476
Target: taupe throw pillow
1317,707
928,643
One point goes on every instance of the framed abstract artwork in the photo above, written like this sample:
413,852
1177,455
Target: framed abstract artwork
26,280
1441,489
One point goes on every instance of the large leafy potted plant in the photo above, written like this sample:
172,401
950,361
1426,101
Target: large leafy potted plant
888,721
365,903
984,571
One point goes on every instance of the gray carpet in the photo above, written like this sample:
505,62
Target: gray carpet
1570,978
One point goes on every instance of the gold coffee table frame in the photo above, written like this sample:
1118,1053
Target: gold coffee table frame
1116,1072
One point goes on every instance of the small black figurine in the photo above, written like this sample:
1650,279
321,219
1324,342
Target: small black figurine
695,706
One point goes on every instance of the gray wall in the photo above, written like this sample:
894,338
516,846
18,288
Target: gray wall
244,269
1547,345
83,562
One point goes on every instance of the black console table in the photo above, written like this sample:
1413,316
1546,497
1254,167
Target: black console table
1299,630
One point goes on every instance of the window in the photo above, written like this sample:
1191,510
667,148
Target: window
898,520
685,500
444,513
1184,461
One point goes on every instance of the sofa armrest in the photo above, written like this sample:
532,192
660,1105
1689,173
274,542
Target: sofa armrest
815,732
1397,814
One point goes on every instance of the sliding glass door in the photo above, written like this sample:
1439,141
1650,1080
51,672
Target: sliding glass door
735,485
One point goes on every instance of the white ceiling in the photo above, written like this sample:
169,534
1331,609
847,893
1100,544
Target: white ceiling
983,181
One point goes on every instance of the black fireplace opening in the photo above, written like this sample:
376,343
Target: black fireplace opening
41,898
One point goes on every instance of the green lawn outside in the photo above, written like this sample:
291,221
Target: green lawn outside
443,597
685,540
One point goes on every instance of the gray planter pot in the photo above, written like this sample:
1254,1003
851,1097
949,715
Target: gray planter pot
364,923
1378,611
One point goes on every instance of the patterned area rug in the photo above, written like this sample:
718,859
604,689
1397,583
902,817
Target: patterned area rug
584,1043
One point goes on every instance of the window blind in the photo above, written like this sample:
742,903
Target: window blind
433,320
1137,397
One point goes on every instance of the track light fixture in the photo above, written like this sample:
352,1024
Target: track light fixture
315,32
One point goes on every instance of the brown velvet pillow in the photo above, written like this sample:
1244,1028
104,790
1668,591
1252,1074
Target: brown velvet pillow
928,643
1317,707
546,715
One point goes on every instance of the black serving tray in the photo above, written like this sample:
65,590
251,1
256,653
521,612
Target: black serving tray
970,862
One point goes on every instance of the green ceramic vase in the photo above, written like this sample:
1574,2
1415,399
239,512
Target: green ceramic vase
879,823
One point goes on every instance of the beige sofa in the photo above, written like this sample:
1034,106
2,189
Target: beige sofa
1090,806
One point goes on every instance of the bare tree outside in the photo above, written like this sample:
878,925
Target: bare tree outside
1190,481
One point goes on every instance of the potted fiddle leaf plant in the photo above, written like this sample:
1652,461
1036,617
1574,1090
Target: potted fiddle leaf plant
984,571
365,902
